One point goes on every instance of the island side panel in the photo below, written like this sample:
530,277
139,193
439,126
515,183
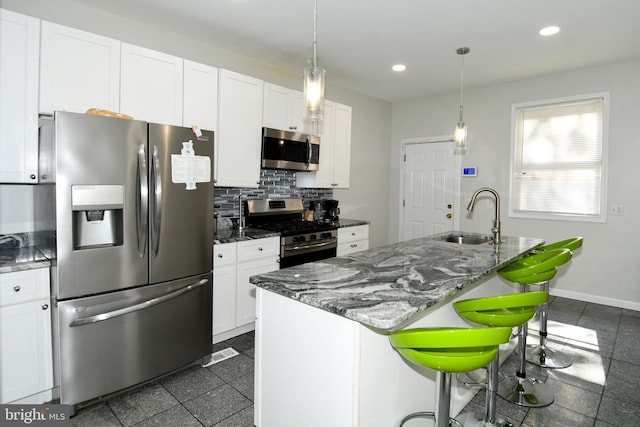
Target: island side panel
306,365
391,387
315,368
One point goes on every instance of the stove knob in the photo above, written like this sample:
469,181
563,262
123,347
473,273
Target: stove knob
313,237
299,239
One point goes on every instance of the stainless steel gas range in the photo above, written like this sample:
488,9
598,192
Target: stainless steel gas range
301,241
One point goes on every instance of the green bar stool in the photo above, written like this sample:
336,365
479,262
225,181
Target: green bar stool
448,350
500,311
531,270
541,354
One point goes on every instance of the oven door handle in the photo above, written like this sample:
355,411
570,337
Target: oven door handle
145,304
317,245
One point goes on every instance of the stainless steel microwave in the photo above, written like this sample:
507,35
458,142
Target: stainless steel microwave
283,149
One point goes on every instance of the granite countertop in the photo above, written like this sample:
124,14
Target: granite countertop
18,259
341,223
230,235
385,287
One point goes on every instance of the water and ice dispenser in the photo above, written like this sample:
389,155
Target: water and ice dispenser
97,215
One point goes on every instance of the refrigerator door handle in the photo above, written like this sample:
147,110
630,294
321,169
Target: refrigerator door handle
137,307
142,201
156,216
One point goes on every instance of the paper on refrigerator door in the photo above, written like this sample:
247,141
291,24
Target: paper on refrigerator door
188,169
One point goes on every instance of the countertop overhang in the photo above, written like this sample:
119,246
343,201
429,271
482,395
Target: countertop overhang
385,287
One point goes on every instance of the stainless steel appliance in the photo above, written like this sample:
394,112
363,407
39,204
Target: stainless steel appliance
131,209
300,241
290,150
331,210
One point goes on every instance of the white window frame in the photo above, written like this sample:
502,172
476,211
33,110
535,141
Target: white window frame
602,217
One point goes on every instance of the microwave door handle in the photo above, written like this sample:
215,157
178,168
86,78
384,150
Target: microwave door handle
142,201
308,152
156,215
136,307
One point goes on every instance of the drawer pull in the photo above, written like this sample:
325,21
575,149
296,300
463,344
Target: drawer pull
45,306
353,234
16,288
219,255
354,245
260,249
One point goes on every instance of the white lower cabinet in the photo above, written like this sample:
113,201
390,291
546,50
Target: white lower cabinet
26,363
234,297
353,239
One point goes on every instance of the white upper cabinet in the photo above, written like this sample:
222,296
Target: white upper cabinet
151,85
283,108
78,70
335,150
238,141
200,96
19,47
342,146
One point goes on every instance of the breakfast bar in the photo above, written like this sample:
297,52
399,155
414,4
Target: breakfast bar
322,352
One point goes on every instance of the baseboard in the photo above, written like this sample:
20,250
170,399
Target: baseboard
233,333
597,299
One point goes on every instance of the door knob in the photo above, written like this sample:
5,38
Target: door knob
449,206
449,216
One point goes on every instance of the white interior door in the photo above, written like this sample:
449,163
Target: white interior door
430,182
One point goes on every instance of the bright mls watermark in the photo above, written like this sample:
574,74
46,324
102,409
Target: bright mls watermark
35,415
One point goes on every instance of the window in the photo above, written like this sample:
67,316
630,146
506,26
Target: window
559,161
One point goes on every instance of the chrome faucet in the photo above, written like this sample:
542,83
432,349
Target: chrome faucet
496,221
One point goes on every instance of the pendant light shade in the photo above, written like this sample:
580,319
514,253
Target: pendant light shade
314,93
460,131
314,80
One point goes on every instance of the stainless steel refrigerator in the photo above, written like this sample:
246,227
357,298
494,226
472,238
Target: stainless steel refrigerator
129,209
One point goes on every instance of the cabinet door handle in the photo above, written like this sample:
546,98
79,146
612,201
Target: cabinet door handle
260,249
45,306
16,288
219,255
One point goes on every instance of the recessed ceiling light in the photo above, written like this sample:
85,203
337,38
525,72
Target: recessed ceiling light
549,31
399,67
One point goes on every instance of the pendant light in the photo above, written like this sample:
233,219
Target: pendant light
460,131
314,80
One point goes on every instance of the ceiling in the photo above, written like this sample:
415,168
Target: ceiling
359,40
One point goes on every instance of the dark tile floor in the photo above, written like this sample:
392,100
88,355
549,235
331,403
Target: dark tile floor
598,390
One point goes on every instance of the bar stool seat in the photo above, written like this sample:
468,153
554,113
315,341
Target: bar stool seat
448,350
500,311
541,354
530,270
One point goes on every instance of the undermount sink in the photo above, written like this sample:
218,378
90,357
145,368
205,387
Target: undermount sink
466,238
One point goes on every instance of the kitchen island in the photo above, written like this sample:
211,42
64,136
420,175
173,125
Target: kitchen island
322,352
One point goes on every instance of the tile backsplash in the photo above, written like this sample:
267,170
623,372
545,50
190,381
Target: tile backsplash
274,184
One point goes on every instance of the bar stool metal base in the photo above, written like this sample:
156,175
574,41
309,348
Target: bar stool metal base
432,415
476,419
546,357
529,392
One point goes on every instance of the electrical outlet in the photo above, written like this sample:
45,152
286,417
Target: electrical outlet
617,210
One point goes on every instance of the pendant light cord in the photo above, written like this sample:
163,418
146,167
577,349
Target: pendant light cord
462,52
315,31
461,84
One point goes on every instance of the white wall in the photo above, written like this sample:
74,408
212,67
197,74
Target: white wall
607,269
371,128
